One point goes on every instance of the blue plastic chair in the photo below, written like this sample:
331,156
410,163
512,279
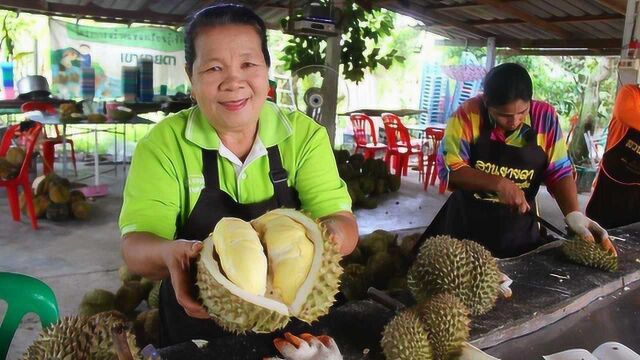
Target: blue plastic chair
24,294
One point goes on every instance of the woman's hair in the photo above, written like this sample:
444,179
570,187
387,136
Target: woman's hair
506,83
219,15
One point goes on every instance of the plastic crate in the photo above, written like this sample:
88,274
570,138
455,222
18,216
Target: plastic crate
584,178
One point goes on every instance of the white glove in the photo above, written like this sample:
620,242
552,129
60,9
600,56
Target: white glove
307,347
589,230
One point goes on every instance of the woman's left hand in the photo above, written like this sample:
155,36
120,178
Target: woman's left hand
342,230
589,230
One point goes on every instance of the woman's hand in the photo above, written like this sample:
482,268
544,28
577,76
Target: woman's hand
177,256
510,194
589,230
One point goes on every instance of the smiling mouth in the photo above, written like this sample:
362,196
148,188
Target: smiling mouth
234,105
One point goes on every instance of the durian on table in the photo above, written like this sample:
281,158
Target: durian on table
254,276
589,254
435,329
461,267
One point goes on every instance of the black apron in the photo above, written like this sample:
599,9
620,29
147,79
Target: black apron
214,204
616,197
467,215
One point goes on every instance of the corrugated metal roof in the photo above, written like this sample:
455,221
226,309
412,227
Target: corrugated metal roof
551,23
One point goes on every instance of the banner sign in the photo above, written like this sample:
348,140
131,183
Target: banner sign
107,50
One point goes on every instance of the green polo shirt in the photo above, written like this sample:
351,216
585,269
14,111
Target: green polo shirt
165,177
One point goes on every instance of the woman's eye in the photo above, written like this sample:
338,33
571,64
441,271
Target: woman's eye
247,65
215,68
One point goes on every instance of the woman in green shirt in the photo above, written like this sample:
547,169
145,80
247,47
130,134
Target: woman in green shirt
233,154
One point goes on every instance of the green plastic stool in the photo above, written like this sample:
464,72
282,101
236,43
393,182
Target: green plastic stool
24,294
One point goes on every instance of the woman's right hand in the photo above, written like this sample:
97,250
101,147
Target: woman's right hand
510,194
177,256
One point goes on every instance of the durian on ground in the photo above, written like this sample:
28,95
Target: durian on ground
80,337
255,276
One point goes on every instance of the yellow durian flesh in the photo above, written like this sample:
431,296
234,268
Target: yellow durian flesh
290,254
241,255
239,311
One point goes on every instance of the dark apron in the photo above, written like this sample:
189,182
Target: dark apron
214,204
467,215
616,197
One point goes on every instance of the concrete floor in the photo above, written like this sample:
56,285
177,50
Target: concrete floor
74,257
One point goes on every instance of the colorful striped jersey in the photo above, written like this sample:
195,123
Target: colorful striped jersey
463,129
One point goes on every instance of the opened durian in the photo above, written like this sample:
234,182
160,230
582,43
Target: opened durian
80,338
463,268
446,320
589,254
255,276
405,338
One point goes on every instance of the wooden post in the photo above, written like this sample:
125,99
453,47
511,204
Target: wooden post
491,53
330,87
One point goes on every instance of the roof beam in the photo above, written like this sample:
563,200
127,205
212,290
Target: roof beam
532,19
539,44
91,12
423,13
618,6
468,6
554,20
560,52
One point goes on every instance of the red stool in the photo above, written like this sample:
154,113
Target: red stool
433,137
48,145
360,123
399,144
29,138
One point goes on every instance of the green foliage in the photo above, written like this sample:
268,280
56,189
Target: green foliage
560,81
360,51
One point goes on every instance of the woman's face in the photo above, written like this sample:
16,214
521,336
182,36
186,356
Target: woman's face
511,115
229,76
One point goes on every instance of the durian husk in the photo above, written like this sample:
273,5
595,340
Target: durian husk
447,322
405,338
238,311
153,300
79,337
589,254
463,268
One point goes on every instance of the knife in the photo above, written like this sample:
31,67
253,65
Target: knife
549,225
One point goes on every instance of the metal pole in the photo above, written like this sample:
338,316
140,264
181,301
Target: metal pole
629,75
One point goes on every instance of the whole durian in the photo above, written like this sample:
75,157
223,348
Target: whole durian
463,268
15,155
589,254
80,338
405,338
447,322
126,275
97,301
255,276
354,282
153,300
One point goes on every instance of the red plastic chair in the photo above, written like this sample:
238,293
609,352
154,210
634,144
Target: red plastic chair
399,144
428,172
360,123
29,138
48,145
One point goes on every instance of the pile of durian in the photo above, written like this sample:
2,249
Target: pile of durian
450,279
81,337
254,276
379,260
11,162
137,298
54,199
366,179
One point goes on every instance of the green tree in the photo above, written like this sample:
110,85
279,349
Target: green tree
362,32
